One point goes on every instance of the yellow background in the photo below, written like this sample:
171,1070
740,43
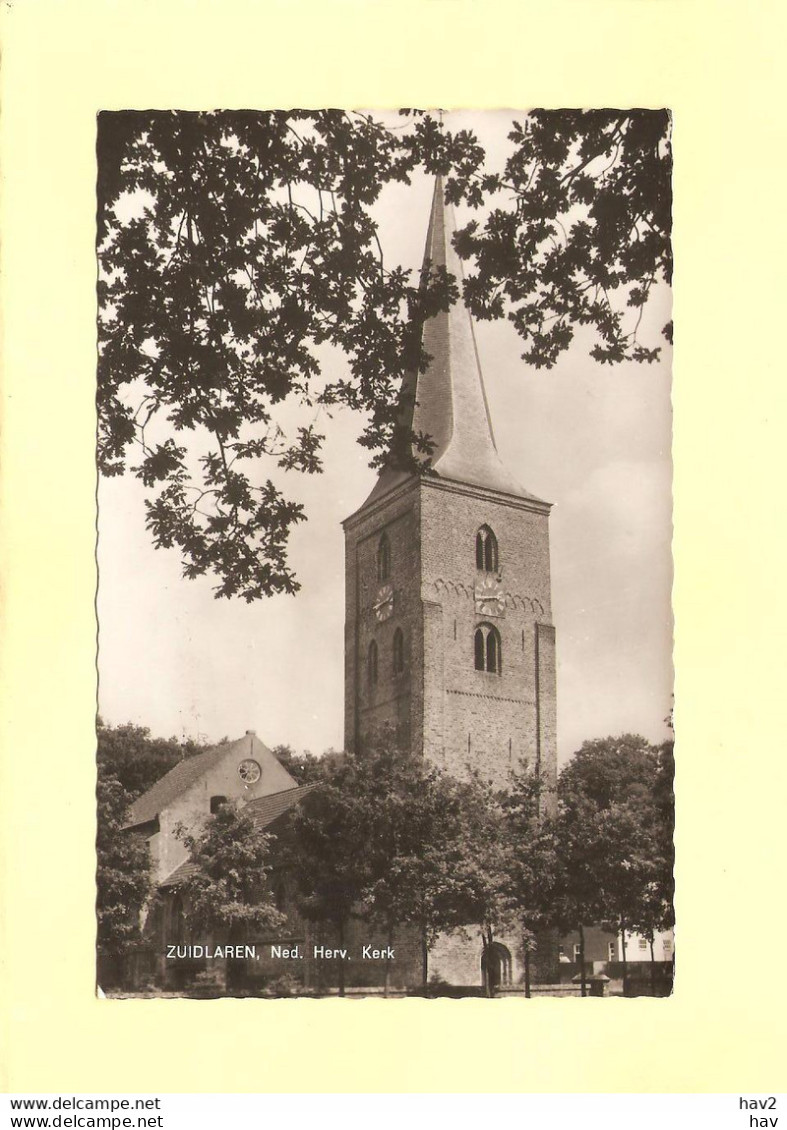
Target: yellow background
719,66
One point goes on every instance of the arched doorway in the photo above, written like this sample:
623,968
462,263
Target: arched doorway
496,967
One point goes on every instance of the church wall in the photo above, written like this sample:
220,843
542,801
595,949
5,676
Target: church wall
395,701
546,672
433,725
478,718
192,807
457,716
456,957
405,970
441,705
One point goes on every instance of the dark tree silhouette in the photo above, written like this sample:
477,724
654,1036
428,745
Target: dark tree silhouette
235,248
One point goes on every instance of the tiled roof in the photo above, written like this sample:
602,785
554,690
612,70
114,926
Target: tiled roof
183,775
265,809
263,812
180,874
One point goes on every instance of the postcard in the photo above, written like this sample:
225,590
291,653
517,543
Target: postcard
352,697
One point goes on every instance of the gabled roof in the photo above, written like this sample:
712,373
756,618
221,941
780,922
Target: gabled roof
448,401
180,874
187,772
266,809
263,811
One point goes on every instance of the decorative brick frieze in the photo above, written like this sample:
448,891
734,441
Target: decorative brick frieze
490,697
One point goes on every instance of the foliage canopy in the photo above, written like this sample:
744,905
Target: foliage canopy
123,882
229,891
615,827
235,247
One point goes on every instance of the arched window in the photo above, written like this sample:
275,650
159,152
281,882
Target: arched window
398,652
371,663
486,551
487,649
480,651
383,559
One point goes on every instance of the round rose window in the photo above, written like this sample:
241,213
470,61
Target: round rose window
249,771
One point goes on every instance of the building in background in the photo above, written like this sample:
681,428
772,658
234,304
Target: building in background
244,772
646,971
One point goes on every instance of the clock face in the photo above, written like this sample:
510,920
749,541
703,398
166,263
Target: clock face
249,771
384,604
489,597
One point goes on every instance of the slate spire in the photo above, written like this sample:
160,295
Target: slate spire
448,402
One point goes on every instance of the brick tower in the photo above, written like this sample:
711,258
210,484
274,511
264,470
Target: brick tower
448,631
448,625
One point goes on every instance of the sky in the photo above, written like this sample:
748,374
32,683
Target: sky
593,440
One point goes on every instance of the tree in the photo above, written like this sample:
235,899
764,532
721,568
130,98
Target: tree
413,828
591,217
654,909
129,761
327,852
236,247
229,894
532,879
254,248
577,898
137,760
482,867
304,767
377,841
662,899
123,882
613,827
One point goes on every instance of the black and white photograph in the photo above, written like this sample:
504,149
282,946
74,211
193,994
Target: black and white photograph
384,548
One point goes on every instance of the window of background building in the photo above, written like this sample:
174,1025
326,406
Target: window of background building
371,663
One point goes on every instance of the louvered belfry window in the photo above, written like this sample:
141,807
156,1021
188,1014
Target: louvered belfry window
383,559
486,551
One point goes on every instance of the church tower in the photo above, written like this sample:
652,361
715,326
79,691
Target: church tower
448,625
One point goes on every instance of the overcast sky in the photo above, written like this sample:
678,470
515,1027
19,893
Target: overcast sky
593,440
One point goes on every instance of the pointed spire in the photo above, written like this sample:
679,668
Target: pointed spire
448,401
